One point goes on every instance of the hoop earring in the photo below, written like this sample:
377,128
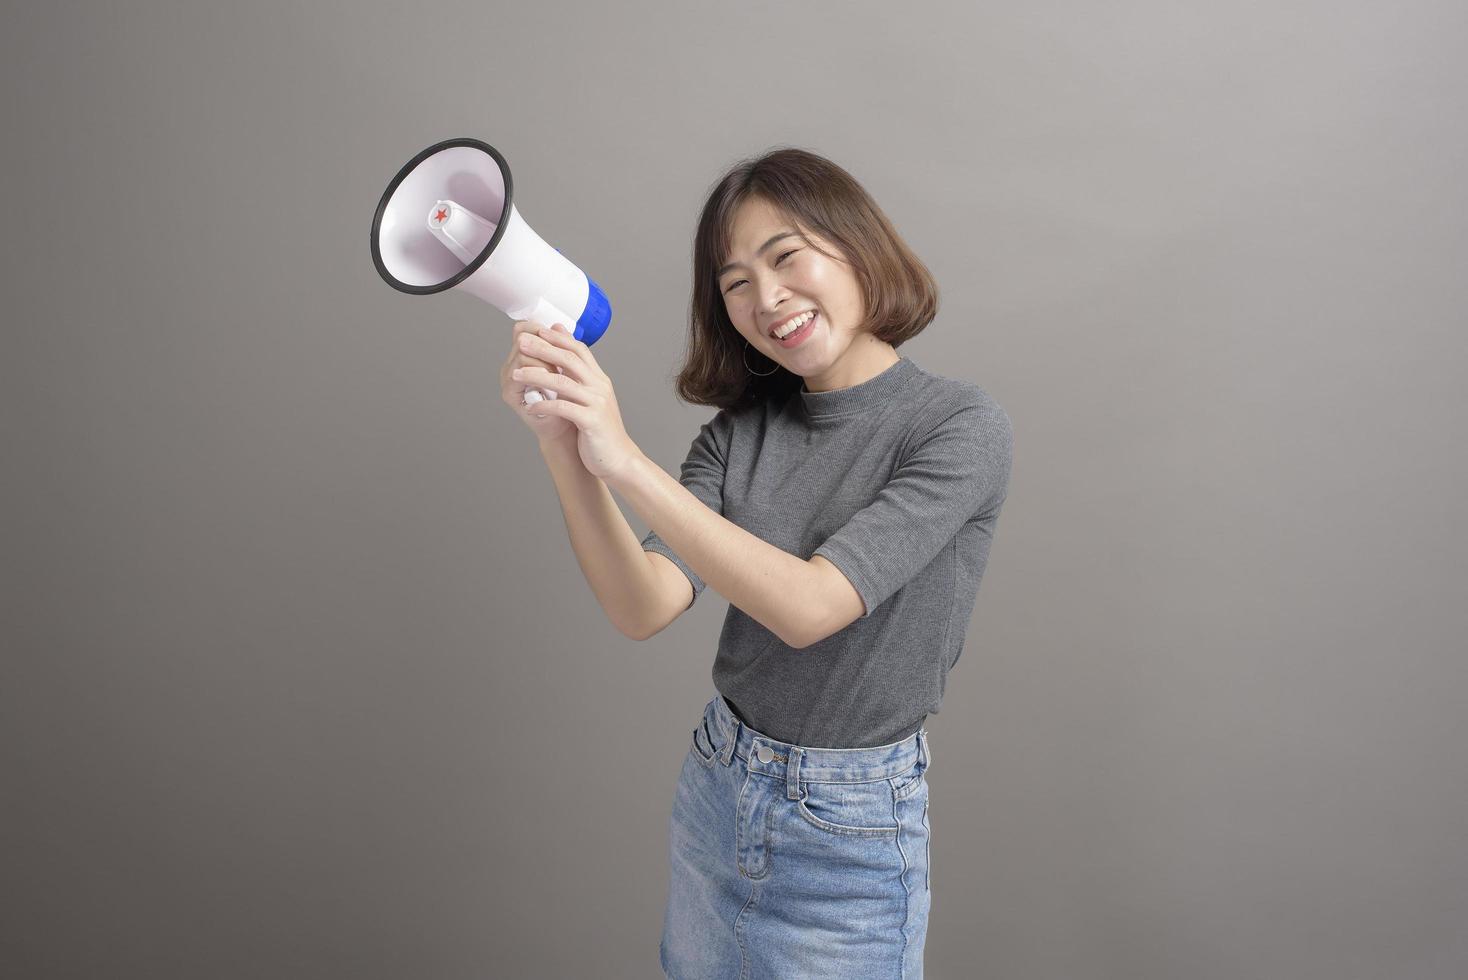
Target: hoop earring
752,370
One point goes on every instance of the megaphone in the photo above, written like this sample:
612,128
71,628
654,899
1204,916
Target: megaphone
447,221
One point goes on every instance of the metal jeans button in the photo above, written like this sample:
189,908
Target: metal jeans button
765,753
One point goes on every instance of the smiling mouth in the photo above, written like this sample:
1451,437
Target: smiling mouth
796,337
774,336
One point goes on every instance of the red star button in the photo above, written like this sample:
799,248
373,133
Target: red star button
442,214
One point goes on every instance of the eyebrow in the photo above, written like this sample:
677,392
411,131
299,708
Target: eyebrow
731,265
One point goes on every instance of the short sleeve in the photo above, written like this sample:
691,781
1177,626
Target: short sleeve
959,470
702,474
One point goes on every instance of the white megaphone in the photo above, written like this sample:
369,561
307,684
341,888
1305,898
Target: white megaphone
446,221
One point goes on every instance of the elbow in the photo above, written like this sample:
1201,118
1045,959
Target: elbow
642,631
803,637
634,631
809,634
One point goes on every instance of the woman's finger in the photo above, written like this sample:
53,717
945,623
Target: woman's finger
564,386
518,356
562,407
578,351
538,347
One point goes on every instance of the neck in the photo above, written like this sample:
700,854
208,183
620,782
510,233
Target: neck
866,358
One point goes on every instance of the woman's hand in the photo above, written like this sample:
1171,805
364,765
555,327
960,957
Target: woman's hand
584,398
547,428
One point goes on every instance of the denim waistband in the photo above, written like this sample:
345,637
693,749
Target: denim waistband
794,763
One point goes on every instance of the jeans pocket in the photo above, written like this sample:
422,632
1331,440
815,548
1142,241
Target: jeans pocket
848,809
703,747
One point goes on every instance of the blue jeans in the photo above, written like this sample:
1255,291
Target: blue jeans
788,862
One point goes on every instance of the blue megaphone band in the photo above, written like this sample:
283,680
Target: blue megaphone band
594,319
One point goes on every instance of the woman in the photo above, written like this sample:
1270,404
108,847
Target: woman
843,500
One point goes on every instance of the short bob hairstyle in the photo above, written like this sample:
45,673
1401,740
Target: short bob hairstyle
899,294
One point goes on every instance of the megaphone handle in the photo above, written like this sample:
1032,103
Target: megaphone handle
545,314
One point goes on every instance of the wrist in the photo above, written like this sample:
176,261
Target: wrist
629,472
560,446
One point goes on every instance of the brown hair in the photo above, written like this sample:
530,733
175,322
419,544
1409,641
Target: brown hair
900,296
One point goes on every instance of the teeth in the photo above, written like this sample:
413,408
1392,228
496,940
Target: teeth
793,325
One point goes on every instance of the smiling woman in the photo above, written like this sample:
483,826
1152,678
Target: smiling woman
869,490
784,233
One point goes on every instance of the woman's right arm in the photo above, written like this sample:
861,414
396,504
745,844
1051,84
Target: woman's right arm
641,592
638,596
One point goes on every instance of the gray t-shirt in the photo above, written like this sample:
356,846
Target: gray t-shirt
897,481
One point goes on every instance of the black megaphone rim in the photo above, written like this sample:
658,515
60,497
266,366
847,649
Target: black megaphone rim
488,250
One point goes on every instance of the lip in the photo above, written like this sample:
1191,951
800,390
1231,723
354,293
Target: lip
798,337
770,330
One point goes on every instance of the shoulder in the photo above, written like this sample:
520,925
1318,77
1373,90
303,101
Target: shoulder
944,403
727,425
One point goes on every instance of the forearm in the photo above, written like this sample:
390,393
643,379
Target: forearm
771,586
609,552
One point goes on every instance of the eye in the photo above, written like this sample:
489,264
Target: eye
736,282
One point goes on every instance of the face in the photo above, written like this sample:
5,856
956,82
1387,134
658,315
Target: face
767,282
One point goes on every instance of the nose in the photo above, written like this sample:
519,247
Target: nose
771,296
774,307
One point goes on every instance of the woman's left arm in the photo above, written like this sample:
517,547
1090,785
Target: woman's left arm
785,594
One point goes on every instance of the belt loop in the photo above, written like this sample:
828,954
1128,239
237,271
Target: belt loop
728,753
792,773
925,754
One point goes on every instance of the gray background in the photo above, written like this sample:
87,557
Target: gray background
301,678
